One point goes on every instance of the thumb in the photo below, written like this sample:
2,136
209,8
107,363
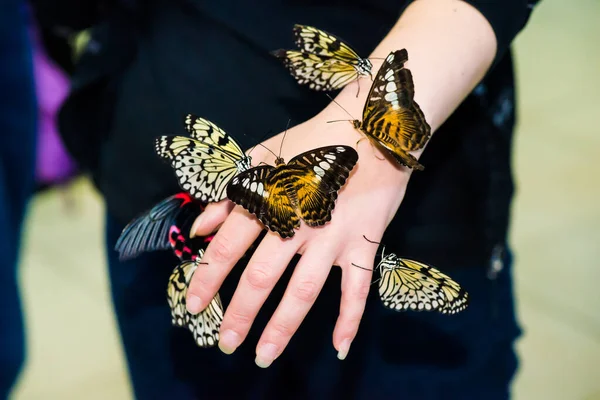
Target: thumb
213,216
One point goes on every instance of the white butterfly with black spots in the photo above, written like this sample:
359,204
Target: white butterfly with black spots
204,325
206,161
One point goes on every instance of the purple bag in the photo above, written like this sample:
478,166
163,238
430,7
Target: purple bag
53,164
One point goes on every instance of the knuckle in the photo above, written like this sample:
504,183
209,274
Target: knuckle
282,330
239,318
200,284
361,291
351,319
201,290
258,277
306,291
220,249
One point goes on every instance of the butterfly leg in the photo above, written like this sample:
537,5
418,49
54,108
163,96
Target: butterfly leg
358,84
367,269
375,153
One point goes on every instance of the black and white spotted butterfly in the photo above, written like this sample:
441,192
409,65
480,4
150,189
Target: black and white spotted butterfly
324,62
206,161
411,285
204,325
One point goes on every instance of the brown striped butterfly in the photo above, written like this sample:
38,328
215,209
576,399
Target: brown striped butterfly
305,188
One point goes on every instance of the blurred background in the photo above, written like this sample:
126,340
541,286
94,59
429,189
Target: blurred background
73,346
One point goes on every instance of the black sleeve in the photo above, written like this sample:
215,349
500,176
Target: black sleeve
507,18
69,15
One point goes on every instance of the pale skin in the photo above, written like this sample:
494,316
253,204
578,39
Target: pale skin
450,47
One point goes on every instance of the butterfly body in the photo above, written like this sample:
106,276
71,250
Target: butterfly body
303,189
411,285
391,118
324,61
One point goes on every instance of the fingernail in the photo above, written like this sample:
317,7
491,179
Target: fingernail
195,226
344,349
194,304
229,341
265,355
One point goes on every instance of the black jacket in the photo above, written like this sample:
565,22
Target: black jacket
149,63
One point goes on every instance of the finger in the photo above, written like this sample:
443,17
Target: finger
213,215
264,269
307,281
356,283
228,245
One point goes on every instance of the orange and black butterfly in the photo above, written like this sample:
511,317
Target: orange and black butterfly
305,188
391,118
324,62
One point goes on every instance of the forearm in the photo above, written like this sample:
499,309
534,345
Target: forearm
450,47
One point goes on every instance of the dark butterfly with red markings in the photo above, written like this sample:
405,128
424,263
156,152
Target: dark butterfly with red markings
305,188
166,226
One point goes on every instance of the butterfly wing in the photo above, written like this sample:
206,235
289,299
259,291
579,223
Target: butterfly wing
204,172
391,118
204,325
177,291
406,285
167,147
312,40
205,162
457,299
260,190
319,175
150,231
319,73
184,247
210,134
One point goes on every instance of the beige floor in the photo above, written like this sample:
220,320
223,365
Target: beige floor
74,348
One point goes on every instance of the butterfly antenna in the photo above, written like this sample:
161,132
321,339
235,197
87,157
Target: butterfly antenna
358,266
268,149
284,133
371,241
339,105
262,145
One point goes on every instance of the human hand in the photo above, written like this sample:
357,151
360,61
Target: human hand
365,205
